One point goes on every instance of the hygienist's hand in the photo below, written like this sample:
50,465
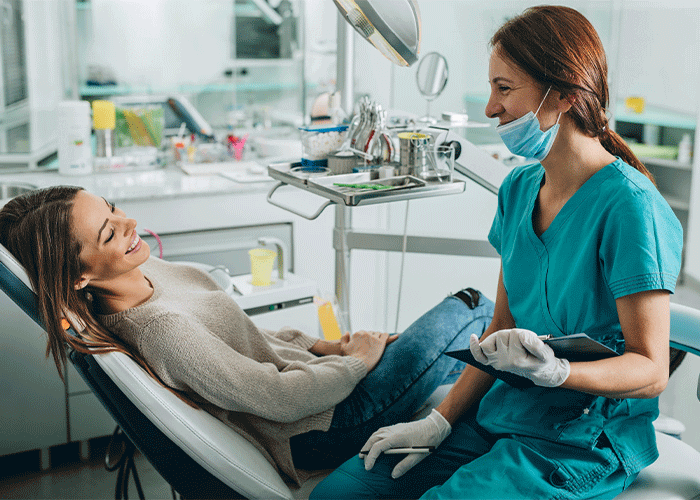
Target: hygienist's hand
368,347
430,431
519,351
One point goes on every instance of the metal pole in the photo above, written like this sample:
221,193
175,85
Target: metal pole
343,218
345,64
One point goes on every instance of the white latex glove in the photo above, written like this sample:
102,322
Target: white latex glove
521,352
430,431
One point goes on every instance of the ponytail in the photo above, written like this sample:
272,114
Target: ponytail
616,145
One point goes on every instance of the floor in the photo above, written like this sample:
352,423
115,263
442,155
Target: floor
72,476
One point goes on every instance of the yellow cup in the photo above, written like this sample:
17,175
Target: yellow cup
261,261
635,104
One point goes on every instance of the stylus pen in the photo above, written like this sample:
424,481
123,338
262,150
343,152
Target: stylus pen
398,451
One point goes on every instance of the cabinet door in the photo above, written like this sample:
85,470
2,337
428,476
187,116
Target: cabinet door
227,246
14,64
32,396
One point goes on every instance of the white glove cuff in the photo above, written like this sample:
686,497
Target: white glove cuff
443,426
560,374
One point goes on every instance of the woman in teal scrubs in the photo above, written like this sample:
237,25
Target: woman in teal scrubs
587,244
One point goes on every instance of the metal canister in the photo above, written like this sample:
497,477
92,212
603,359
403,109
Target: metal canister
413,152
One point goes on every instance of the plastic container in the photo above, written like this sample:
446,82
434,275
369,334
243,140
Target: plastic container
103,121
685,149
341,162
74,144
319,142
261,261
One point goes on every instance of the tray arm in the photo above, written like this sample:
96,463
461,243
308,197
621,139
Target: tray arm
293,210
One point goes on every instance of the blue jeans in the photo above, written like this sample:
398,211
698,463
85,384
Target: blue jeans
410,370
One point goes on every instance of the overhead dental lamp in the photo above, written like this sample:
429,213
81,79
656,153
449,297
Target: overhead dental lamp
392,26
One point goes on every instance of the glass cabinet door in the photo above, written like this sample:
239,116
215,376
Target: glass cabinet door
14,64
228,57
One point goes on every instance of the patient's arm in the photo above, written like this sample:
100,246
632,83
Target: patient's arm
187,357
326,347
330,347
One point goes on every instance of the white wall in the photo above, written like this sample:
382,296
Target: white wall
161,43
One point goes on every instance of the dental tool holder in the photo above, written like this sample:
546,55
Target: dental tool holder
470,161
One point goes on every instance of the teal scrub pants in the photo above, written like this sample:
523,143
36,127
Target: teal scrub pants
473,464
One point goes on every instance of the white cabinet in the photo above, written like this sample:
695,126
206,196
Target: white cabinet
32,396
34,76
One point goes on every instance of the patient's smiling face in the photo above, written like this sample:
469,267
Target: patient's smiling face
110,246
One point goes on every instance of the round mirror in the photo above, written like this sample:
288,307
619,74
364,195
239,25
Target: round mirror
431,77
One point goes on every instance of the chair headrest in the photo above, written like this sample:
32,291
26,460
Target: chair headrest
14,267
685,325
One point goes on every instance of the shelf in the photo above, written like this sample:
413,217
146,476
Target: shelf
107,90
655,116
677,203
662,162
266,63
652,115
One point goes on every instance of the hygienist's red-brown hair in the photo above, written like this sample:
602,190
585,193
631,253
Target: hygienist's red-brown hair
558,47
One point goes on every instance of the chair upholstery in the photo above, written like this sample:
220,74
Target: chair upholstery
676,473
209,442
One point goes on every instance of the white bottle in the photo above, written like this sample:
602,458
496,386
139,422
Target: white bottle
74,145
684,150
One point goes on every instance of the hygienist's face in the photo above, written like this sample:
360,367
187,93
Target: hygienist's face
110,245
514,93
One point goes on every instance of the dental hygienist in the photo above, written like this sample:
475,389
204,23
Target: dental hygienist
587,245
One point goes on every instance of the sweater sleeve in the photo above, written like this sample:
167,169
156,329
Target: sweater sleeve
189,358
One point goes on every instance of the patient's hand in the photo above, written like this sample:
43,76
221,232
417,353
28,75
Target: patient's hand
368,347
326,348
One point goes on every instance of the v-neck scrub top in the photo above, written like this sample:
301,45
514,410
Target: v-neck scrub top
614,237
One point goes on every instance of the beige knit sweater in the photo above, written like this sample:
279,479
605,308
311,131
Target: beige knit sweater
265,385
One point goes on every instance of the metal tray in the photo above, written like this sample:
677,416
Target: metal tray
355,195
403,187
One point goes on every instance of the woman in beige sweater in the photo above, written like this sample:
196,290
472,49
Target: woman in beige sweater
304,402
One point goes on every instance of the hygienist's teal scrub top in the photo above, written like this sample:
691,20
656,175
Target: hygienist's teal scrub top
615,236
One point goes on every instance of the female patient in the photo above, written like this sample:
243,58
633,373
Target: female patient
305,403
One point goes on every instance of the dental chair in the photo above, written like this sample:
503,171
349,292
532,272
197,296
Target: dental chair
201,457
198,455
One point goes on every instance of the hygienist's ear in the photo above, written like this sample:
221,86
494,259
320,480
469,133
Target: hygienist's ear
565,102
82,282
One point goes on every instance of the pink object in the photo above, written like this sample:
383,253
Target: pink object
238,145
160,243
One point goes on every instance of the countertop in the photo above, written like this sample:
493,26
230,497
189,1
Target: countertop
164,183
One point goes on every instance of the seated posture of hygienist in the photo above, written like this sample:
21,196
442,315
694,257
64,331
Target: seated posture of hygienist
587,244
305,403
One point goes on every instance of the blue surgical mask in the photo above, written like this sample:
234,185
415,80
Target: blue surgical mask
523,136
